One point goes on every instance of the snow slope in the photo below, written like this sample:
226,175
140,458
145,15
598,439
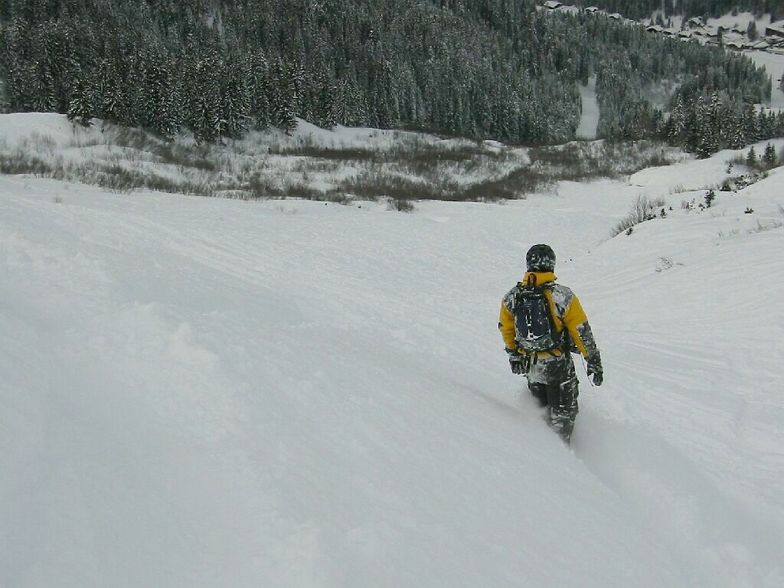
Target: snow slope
589,118
203,392
774,63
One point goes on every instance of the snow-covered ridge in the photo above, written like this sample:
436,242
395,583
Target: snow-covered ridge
202,392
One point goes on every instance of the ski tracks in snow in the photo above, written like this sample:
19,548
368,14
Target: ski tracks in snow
739,544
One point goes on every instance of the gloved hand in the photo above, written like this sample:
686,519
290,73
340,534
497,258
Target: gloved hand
517,362
594,368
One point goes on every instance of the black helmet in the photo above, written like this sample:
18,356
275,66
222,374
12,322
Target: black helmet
540,258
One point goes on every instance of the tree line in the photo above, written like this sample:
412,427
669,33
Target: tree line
485,69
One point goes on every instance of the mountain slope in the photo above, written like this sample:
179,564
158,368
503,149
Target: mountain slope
204,392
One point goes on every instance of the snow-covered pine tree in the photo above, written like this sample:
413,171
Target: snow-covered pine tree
738,139
235,98
159,99
281,93
750,128
769,157
677,126
112,103
323,98
751,158
208,123
80,107
258,73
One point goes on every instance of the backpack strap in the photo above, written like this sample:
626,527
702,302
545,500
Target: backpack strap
563,334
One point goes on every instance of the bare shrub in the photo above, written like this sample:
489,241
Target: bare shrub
371,185
182,156
19,162
580,160
642,210
524,180
134,139
43,143
400,205
120,179
316,151
263,187
307,192
317,165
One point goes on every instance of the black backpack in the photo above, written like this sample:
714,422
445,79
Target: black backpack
534,326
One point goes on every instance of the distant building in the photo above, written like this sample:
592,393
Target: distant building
775,29
654,29
684,35
591,9
760,45
695,22
616,16
552,4
712,31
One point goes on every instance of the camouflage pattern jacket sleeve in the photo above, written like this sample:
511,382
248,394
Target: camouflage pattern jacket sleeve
573,318
506,321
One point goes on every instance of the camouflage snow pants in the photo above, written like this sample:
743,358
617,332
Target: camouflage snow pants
553,382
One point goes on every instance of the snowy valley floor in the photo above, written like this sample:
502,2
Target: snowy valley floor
205,392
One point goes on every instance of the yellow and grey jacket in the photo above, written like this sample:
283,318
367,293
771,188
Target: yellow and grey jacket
565,309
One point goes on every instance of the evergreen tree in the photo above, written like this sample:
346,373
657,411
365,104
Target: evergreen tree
495,68
235,103
750,128
80,102
751,31
258,76
709,128
751,158
677,126
323,100
282,97
113,101
207,123
159,97
769,157
738,140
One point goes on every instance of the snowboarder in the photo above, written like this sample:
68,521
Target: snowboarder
542,323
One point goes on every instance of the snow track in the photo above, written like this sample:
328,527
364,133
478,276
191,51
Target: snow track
203,392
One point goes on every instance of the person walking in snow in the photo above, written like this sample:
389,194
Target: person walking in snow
541,323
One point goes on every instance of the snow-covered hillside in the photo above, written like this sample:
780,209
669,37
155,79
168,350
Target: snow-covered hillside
206,392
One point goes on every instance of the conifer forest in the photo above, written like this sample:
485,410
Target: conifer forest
499,69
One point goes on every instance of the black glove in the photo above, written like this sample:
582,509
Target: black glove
594,368
517,361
